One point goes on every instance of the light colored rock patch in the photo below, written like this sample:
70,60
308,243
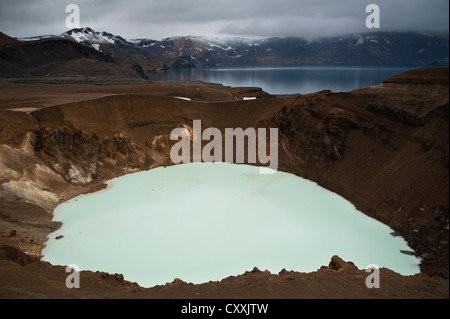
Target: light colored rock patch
78,176
46,172
58,168
128,170
155,140
31,192
28,143
30,183
6,173
8,155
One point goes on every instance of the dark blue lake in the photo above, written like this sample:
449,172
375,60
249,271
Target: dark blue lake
287,80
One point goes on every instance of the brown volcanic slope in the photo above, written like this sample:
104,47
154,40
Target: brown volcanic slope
5,40
384,148
68,59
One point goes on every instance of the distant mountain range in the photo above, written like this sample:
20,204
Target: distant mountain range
87,52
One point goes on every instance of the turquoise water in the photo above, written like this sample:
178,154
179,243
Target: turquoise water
201,222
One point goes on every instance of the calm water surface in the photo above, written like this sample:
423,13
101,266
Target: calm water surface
288,80
202,222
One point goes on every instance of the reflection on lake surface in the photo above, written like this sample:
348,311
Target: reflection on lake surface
287,80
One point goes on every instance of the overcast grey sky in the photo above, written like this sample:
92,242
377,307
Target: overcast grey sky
158,19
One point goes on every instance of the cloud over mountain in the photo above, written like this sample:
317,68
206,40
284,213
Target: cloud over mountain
259,18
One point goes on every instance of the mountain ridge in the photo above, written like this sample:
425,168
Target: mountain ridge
134,58
364,48
239,47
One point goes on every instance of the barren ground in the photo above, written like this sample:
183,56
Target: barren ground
384,148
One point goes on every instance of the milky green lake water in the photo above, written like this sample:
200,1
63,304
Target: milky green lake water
202,222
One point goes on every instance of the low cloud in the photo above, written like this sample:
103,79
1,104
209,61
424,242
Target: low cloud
259,18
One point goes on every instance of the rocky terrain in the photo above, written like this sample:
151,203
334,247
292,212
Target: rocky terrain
60,57
384,148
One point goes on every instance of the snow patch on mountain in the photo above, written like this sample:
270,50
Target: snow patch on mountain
90,36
